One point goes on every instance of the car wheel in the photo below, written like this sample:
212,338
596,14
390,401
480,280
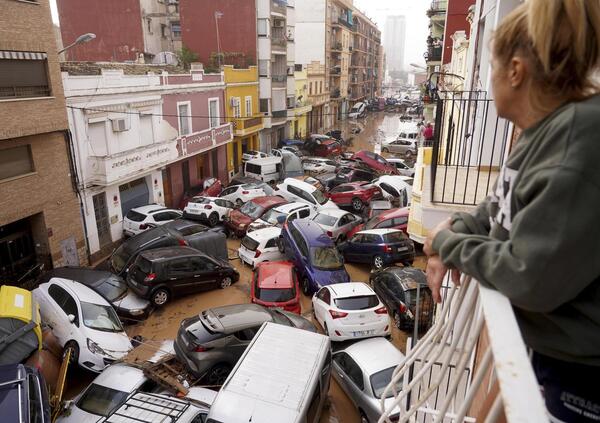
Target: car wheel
397,320
305,286
217,374
357,204
226,282
363,417
377,262
160,297
74,347
385,150
213,219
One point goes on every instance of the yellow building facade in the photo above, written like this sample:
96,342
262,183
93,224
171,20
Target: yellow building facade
242,109
299,126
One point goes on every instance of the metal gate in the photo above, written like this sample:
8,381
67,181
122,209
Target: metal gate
133,194
101,214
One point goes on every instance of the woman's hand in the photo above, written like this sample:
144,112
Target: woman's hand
436,271
427,246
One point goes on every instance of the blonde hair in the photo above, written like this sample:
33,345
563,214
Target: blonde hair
561,41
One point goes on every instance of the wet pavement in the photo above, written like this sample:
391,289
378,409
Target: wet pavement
164,323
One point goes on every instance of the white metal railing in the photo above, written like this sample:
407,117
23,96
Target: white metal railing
455,375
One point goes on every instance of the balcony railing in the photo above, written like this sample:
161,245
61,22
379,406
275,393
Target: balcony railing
242,124
471,366
433,54
469,147
345,23
279,79
439,5
25,92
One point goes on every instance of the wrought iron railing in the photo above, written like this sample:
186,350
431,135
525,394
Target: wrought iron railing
25,92
469,147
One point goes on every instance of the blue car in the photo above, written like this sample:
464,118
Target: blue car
314,255
380,247
23,395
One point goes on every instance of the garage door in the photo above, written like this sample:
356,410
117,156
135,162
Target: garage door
133,194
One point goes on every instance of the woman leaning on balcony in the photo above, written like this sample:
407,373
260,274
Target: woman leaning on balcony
536,238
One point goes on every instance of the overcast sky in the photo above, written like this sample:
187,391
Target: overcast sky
414,10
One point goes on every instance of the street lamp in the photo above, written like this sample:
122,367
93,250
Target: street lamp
85,38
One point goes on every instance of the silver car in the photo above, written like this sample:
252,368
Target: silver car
337,223
363,370
403,146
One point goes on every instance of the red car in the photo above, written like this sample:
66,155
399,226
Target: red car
328,148
208,187
375,161
239,220
275,284
390,219
354,194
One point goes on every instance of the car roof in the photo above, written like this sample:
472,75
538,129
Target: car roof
275,274
313,233
363,352
268,201
350,289
164,253
355,185
238,316
379,231
81,291
409,276
264,233
394,179
149,209
300,184
84,275
337,213
121,377
290,207
265,160
397,212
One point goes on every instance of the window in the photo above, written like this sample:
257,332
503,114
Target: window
349,366
249,106
320,87
101,400
36,412
23,74
264,105
184,117
262,27
272,243
163,30
324,295
213,112
202,264
165,216
263,68
310,88
181,265
236,106
15,162
246,334
176,30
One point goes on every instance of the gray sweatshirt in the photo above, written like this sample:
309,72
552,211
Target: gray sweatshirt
536,238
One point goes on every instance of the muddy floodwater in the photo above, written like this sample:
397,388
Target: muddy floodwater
164,323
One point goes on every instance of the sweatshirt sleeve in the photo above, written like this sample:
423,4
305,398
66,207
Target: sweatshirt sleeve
551,253
476,223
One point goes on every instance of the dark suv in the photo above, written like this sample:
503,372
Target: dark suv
23,395
163,273
353,174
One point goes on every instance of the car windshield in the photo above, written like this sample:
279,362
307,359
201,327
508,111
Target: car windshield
101,400
120,257
250,243
112,288
326,258
381,379
100,317
361,302
319,196
394,237
252,210
325,220
272,215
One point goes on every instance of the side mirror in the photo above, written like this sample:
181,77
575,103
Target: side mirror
71,318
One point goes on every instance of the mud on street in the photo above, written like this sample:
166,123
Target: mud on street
163,323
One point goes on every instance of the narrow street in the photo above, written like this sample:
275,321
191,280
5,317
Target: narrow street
164,323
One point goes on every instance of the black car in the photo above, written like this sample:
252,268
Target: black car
178,232
163,273
110,286
23,395
353,174
397,288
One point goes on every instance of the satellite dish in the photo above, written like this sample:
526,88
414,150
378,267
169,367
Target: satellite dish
165,58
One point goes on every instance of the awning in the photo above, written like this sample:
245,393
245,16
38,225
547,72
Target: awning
22,55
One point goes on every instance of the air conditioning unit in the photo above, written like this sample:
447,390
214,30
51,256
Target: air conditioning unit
120,125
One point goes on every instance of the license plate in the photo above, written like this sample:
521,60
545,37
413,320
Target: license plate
402,248
363,332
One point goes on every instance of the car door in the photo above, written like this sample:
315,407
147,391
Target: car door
163,217
350,375
241,340
64,305
180,276
206,274
341,226
367,248
352,246
229,193
224,207
321,304
271,252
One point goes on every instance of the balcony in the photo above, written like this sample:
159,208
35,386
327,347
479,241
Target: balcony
344,22
279,81
471,366
245,126
336,46
24,92
433,54
336,71
335,94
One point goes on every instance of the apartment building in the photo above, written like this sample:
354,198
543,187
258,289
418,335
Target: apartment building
299,127
40,220
365,78
339,44
148,30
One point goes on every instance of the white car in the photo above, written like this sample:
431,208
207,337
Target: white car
252,154
139,219
82,320
395,188
336,223
278,215
358,110
260,245
318,165
350,310
239,194
209,209
294,190
403,168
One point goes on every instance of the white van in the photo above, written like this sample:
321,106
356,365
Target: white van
358,110
294,190
268,169
283,377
